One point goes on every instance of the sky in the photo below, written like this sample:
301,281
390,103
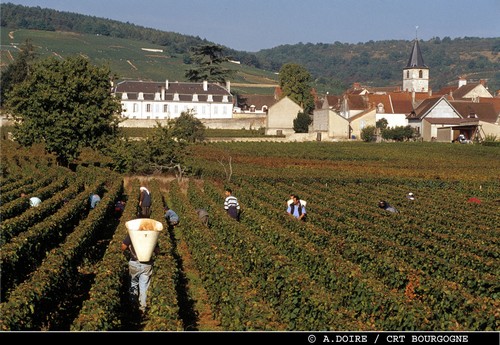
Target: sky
253,25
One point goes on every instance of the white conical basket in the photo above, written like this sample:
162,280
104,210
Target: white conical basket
144,234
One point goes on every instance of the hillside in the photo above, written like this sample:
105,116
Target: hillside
334,67
128,59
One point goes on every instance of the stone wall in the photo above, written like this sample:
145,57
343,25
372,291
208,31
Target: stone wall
253,122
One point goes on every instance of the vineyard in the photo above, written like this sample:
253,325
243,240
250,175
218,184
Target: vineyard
434,266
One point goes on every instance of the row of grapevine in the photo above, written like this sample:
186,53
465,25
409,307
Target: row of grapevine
31,303
351,266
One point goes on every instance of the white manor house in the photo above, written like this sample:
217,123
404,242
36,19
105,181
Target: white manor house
148,100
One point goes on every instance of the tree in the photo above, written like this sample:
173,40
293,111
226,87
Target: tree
163,151
382,123
17,71
67,105
294,81
369,133
208,59
399,133
187,127
301,123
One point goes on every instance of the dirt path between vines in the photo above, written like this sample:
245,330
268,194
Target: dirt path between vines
193,281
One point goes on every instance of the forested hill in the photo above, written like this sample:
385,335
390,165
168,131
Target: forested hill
334,67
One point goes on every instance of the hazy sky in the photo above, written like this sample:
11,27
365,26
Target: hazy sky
252,25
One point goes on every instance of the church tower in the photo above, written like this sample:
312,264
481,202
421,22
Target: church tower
416,73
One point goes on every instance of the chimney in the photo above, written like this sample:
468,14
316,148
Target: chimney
483,82
205,85
228,86
166,84
163,93
462,81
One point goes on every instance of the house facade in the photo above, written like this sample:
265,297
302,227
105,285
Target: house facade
281,115
146,100
440,119
432,114
254,104
330,125
465,90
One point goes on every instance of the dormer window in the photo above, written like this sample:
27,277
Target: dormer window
380,108
140,96
195,97
225,99
124,95
176,97
210,98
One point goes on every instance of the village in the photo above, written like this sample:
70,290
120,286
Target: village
467,112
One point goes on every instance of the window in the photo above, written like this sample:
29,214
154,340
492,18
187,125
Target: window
136,107
165,108
420,74
148,108
407,74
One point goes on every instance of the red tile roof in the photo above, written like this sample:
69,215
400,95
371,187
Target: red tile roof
484,111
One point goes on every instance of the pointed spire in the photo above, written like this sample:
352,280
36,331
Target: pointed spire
416,60
325,102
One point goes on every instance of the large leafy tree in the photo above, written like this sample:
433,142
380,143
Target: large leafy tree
65,104
295,82
163,152
18,70
208,61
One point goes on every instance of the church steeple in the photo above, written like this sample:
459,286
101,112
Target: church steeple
416,60
416,73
